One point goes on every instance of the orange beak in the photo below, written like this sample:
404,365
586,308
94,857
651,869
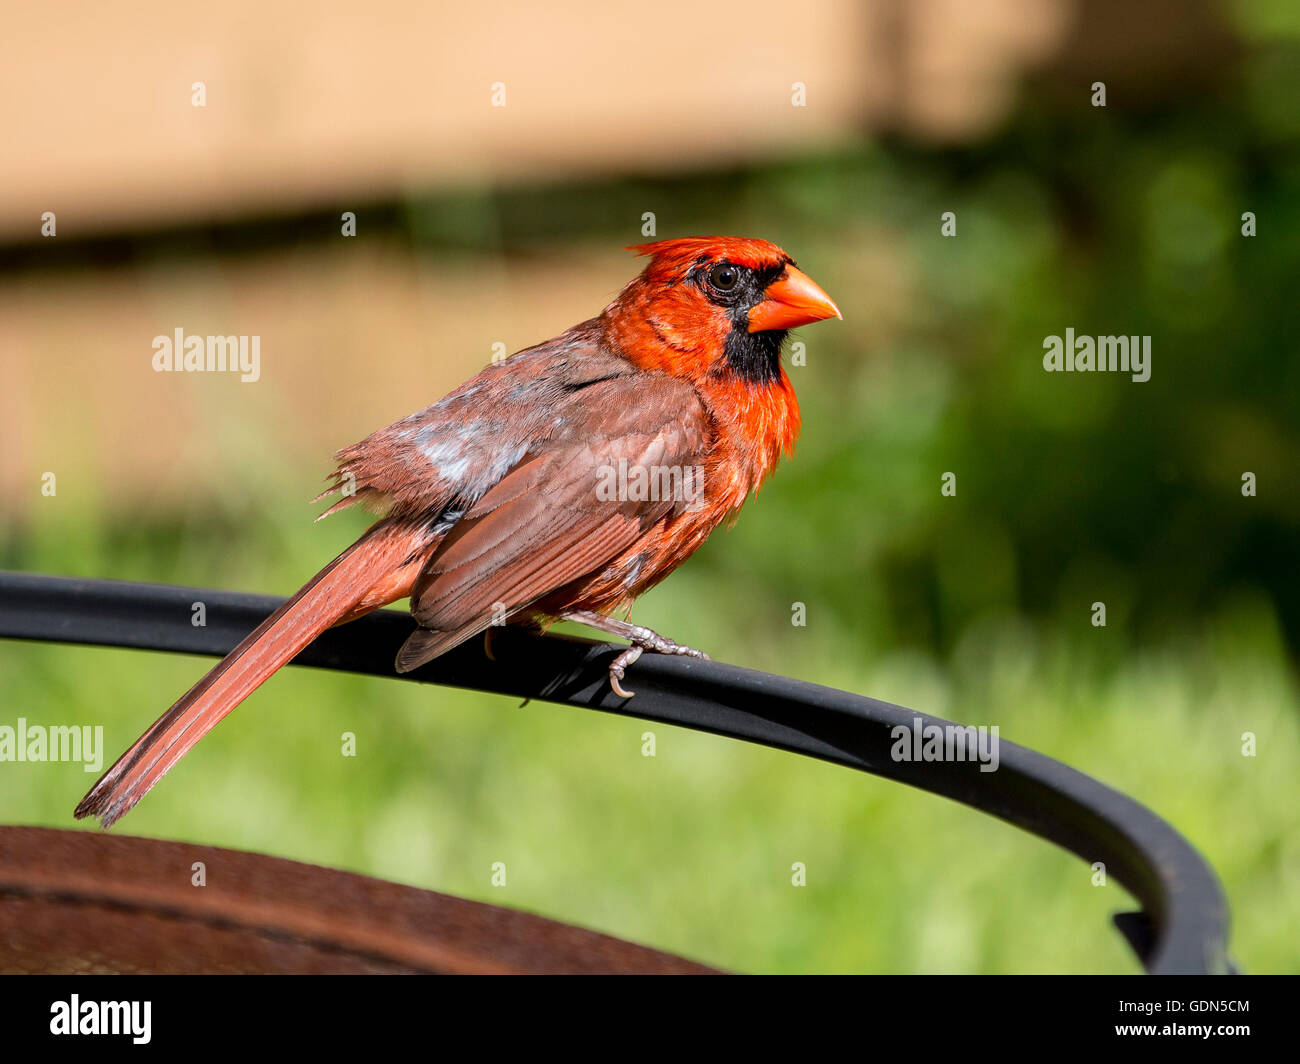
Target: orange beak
794,300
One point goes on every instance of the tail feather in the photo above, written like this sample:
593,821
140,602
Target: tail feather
340,591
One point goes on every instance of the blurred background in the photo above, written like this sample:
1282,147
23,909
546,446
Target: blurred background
842,131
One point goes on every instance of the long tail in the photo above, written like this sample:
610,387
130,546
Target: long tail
369,574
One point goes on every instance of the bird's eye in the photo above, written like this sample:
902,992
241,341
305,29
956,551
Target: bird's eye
724,276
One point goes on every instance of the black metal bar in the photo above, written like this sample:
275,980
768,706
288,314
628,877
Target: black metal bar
1184,906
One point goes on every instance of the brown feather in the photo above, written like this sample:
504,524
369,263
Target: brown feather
544,525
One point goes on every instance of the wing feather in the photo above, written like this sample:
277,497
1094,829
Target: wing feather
542,526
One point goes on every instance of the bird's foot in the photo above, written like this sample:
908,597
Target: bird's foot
618,669
641,638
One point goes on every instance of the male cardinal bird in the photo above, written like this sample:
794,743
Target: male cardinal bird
534,491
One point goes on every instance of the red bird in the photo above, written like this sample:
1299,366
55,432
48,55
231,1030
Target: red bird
559,483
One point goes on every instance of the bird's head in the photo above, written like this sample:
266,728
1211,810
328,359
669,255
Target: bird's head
714,306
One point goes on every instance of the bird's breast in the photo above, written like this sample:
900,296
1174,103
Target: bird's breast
746,440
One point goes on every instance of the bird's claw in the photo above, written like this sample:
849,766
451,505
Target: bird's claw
641,638
647,641
618,669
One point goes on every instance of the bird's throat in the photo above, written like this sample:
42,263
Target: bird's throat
754,357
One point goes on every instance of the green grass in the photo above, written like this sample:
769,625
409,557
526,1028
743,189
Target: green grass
691,850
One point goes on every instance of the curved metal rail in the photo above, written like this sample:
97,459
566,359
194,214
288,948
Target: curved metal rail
1184,922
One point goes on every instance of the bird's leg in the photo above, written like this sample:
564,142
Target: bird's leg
641,638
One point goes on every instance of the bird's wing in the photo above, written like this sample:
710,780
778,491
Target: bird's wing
557,515
449,454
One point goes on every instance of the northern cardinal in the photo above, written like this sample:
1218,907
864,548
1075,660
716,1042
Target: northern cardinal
558,483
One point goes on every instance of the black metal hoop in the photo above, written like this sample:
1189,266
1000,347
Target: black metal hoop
1182,927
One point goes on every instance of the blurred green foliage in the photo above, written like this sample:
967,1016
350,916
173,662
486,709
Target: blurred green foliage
1071,489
